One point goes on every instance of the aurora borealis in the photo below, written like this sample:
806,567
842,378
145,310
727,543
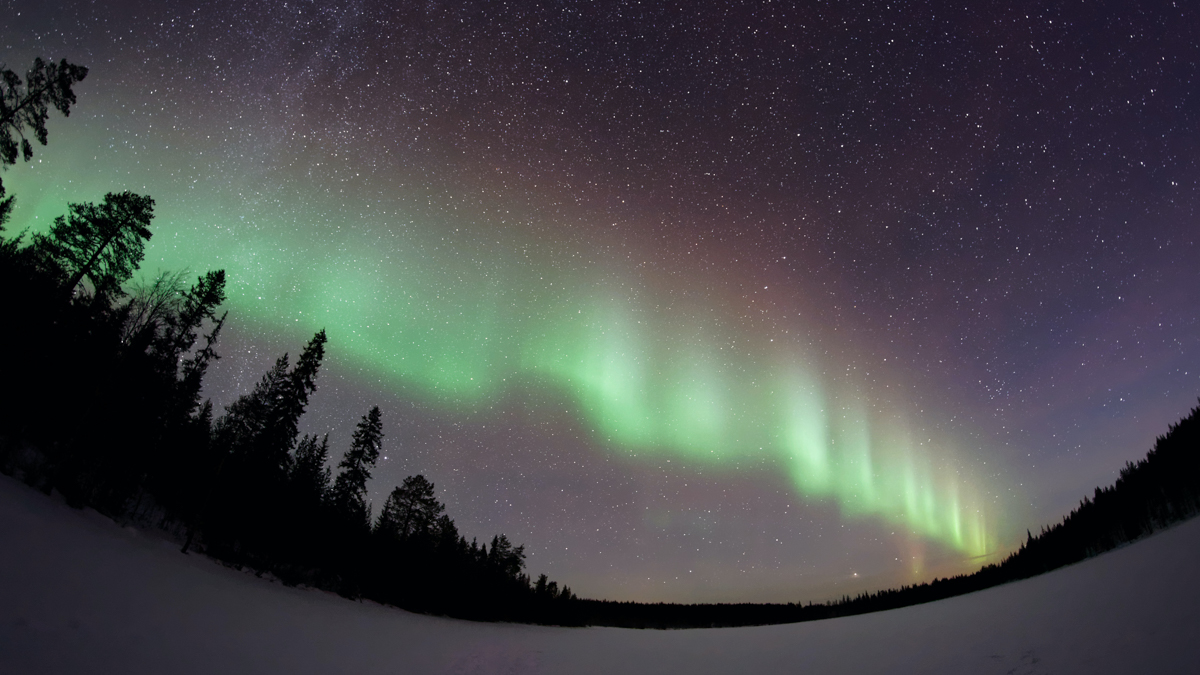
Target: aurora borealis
740,302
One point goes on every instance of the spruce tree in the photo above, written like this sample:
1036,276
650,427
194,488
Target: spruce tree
310,474
200,303
261,427
279,436
350,487
194,367
240,430
255,438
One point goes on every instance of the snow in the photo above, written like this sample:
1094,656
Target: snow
80,594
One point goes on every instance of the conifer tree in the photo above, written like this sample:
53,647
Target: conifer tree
178,329
104,243
194,368
412,510
245,420
310,474
254,439
505,558
302,383
25,107
350,487
163,320
448,539
261,427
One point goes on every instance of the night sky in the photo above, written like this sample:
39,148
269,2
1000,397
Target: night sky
699,301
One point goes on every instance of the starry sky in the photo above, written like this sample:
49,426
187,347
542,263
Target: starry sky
699,301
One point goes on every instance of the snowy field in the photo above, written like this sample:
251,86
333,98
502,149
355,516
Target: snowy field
79,594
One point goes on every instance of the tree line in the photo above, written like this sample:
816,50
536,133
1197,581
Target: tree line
1159,490
101,401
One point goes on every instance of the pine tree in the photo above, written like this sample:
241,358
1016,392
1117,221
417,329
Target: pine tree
26,107
391,517
350,487
104,243
412,510
505,558
168,318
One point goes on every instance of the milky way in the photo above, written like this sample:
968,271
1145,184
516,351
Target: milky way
734,302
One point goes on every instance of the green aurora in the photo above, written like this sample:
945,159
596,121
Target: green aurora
460,310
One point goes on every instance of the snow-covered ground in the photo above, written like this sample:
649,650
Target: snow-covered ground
79,594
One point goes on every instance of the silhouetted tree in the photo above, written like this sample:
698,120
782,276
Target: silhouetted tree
241,429
350,486
195,366
411,510
505,558
151,306
260,428
448,540
304,526
7,247
104,243
310,473
163,320
162,381
302,383
165,316
255,438
25,107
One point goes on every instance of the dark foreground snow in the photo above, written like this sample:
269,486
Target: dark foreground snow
79,594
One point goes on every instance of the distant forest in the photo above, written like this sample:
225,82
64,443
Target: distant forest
1159,490
101,401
